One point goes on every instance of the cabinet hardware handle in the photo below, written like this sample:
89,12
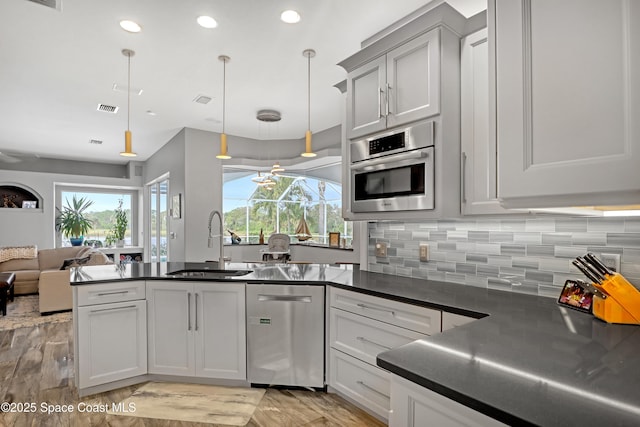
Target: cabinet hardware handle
405,156
388,97
363,384
196,311
290,298
102,294
464,177
188,311
380,92
112,309
363,339
376,308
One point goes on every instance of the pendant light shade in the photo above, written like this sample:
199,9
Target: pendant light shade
128,150
223,136
308,152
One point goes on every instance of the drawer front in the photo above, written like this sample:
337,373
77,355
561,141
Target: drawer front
420,319
111,292
364,338
368,385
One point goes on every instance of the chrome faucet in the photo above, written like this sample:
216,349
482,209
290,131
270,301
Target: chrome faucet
210,240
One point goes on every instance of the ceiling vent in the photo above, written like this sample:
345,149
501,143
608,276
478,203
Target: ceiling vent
95,141
202,99
268,116
107,108
53,4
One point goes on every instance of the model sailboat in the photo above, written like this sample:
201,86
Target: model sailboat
302,230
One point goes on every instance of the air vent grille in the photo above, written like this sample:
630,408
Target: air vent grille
202,99
107,108
53,4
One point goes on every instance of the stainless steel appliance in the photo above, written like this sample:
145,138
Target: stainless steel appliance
285,335
394,171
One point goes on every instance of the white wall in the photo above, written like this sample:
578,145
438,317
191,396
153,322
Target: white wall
19,227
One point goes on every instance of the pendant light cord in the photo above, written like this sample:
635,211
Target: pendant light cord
224,91
308,92
128,90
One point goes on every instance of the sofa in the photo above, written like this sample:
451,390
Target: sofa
46,272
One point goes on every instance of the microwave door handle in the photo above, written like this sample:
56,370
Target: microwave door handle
388,159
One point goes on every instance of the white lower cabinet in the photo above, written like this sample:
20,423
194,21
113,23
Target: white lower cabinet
197,329
451,320
366,384
360,327
416,406
111,338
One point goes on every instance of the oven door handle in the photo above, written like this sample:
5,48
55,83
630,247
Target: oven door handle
389,159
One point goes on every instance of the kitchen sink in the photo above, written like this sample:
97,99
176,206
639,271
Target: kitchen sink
208,273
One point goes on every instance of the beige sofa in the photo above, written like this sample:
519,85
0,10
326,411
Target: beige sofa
43,274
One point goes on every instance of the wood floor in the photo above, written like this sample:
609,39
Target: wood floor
36,366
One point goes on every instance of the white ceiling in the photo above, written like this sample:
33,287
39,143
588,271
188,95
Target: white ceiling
56,66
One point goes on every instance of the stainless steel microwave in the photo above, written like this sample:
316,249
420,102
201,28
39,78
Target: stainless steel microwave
394,171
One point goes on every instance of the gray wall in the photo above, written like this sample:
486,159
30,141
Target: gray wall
20,227
170,159
530,255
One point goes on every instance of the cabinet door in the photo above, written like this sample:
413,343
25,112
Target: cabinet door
220,344
365,99
112,342
415,406
479,153
171,328
451,320
568,102
413,80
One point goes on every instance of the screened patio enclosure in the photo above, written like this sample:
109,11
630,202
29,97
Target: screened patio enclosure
249,207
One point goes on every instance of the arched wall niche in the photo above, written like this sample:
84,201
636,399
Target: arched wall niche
14,195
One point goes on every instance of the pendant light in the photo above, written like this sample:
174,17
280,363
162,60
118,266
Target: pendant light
223,136
128,152
276,169
308,53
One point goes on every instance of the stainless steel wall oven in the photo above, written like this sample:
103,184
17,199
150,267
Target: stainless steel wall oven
394,171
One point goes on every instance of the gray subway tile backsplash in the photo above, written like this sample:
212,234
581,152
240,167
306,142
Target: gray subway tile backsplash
531,255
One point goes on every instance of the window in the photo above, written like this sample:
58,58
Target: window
158,220
248,208
101,212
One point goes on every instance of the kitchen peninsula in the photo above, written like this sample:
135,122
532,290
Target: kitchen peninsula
525,361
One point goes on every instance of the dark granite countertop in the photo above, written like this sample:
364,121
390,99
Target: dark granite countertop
526,361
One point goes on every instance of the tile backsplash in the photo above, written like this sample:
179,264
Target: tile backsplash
528,255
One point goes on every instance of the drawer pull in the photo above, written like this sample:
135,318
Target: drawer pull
102,294
113,309
189,311
376,308
368,387
363,339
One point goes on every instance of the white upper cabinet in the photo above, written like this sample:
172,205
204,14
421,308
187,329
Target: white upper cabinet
397,88
477,127
568,102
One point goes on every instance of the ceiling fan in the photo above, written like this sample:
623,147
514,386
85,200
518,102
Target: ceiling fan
16,157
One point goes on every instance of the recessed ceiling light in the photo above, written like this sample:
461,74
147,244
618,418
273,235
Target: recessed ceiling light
130,26
207,22
290,16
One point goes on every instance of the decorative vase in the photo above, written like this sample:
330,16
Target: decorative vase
120,243
76,241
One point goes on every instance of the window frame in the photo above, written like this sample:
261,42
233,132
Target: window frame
134,192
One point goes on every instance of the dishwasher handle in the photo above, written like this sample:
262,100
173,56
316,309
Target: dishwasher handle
286,298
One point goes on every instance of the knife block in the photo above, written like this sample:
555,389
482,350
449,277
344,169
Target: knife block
622,302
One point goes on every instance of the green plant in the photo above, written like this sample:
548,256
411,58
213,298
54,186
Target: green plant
72,220
119,227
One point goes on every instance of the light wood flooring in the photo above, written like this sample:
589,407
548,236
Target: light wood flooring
36,365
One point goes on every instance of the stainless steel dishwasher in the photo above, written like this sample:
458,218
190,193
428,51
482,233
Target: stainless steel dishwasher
285,335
